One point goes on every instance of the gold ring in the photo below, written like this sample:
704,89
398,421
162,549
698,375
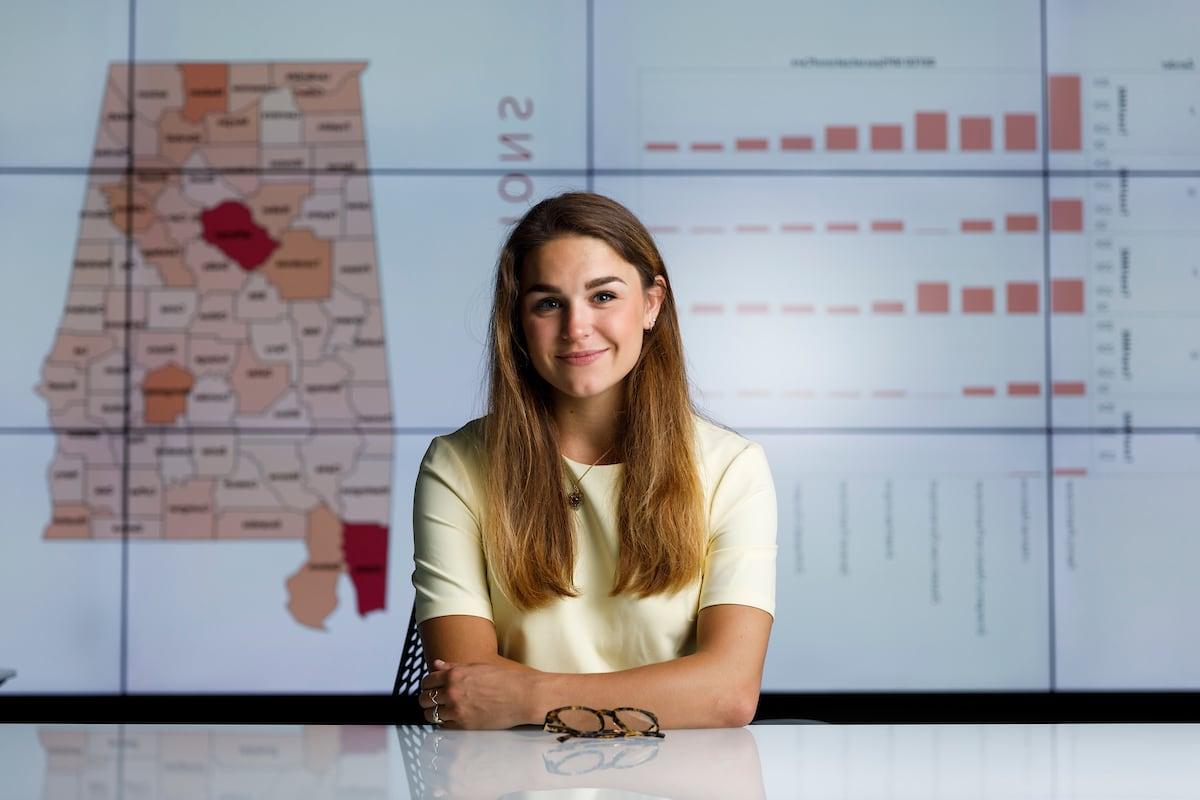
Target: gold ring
437,718
433,696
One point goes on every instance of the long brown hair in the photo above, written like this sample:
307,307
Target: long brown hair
526,525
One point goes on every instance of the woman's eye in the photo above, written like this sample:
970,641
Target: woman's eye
604,297
545,304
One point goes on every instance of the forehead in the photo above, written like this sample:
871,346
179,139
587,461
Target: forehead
570,260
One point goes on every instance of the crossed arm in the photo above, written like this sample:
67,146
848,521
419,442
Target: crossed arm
715,687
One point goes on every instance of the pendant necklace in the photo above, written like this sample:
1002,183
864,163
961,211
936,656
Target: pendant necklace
575,497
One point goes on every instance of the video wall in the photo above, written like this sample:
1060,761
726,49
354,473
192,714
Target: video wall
938,258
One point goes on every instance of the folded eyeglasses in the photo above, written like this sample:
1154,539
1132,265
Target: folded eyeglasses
590,723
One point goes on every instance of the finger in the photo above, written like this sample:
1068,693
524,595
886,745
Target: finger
442,712
434,680
428,698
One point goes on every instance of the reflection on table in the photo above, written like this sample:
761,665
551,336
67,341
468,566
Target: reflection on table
187,762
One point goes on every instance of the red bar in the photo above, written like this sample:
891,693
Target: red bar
1066,113
841,309
1070,388
708,308
1066,296
1071,471
1022,298
975,133
796,143
931,130
1024,389
887,225
841,137
977,226
978,300
841,227
752,228
662,147
752,308
1066,215
798,227
887,137
744,145
887,307
707,147
1021,223
933,298
798,308
1020,132
707,229
979,391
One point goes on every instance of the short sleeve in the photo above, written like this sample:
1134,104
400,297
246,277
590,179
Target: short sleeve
739,566
449,572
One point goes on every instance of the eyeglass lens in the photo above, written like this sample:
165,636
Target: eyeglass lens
586,721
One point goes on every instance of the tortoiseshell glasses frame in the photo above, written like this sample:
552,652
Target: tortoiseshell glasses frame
554,724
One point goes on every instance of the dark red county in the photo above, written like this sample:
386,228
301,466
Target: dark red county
365,546
230,228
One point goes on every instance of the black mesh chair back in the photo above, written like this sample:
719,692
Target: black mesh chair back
412,660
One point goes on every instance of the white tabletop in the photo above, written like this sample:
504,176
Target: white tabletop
866,761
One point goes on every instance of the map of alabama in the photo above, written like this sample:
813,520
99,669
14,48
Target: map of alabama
219,370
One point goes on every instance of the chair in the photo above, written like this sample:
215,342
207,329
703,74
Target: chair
412,660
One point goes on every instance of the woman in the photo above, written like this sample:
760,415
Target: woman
591,541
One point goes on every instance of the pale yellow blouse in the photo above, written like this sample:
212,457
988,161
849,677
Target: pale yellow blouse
595,632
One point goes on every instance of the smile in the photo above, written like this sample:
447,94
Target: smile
582,358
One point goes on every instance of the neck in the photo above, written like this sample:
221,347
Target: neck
587,427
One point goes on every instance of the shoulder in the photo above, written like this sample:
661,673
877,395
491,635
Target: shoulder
467,439
458,452
739,489
717,447
728,459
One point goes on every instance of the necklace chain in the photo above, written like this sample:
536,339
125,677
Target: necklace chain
575,497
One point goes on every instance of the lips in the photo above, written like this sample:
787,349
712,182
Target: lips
582,357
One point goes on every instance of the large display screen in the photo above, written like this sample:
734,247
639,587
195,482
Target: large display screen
938,258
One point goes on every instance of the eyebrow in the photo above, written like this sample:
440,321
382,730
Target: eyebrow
592,284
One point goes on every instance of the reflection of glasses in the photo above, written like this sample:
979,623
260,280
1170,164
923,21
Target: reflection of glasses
580,756
590,722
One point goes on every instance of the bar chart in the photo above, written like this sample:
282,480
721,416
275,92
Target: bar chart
825,88
829,118
925,132
845,302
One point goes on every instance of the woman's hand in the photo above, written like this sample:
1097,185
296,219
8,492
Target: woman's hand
483,696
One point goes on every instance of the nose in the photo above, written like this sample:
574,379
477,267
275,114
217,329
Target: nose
576,322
